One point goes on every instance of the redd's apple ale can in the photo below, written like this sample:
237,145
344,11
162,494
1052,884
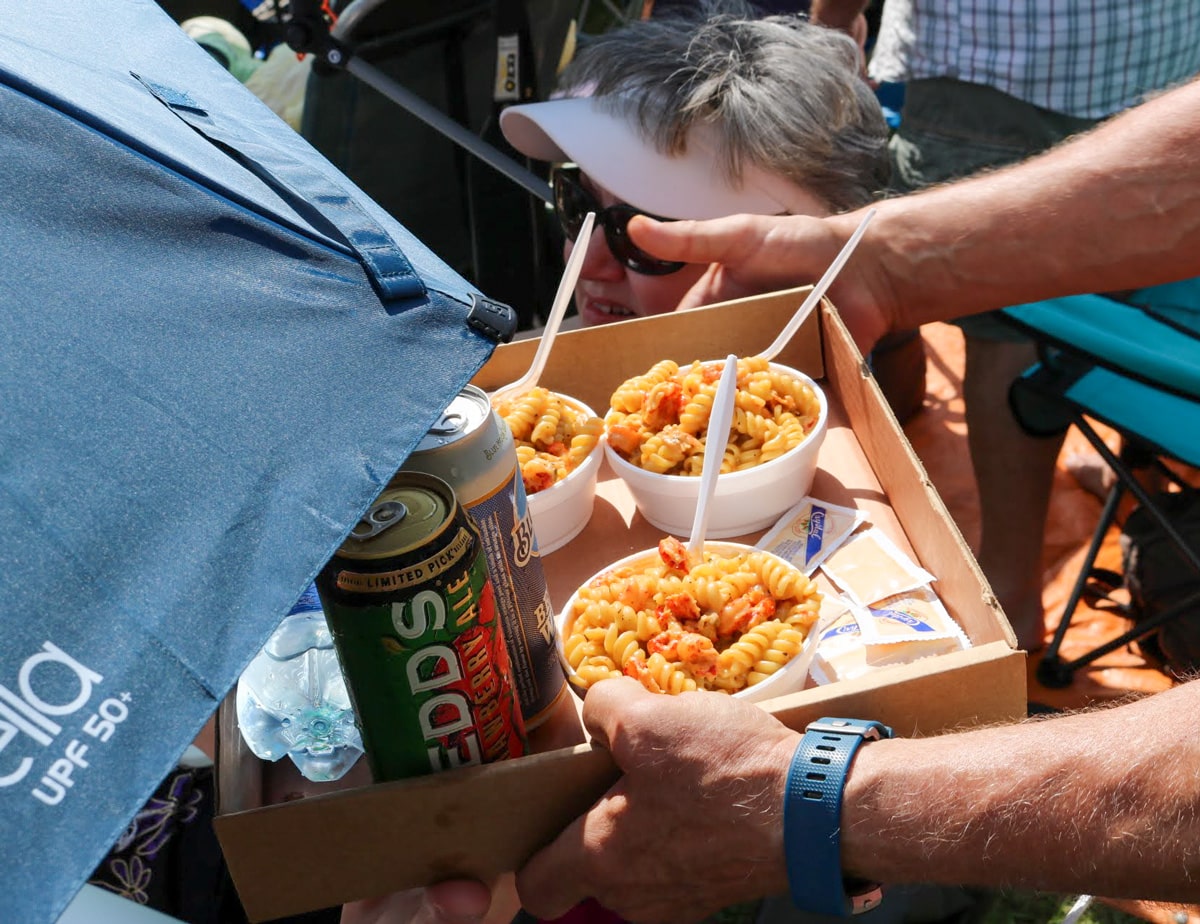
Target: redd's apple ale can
472,449
411,610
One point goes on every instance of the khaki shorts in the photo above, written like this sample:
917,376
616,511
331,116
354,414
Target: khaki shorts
950,129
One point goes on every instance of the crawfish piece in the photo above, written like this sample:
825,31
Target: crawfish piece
637,668
690,648
636,592
679,608
662,404
741,614
624,439
674,554
698,653
537,477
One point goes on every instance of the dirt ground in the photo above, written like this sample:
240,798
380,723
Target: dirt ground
938,434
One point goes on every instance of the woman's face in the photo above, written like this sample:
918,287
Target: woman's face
607,291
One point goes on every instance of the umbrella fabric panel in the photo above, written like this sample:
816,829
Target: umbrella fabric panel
201,393
82,56
223,388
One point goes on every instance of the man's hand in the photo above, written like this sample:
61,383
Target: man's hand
750,255
694,825
460,901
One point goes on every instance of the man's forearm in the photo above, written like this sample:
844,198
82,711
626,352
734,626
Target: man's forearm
1103,803
1120,210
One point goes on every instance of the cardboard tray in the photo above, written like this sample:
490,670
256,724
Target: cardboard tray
369,840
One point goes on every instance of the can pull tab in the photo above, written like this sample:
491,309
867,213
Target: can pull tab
379,518
450,423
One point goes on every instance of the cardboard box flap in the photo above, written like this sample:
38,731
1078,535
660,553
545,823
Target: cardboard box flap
479,823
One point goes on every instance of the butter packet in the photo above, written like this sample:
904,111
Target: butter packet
808,533
869,567
909,626
841,652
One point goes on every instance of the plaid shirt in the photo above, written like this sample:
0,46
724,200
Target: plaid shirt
1086,58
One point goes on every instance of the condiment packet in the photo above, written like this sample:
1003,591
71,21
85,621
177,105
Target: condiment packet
833,607
841,652
909,626
869,567
810,531
896,630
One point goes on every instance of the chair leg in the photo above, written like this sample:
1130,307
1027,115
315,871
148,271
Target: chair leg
1053,671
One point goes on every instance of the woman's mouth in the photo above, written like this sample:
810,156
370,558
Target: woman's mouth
597,311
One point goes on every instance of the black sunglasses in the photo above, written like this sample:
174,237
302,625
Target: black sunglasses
572,202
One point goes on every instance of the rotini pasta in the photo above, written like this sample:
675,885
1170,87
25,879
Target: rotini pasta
659,420
553,434
723,623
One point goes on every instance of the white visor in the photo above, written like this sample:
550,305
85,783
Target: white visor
610,150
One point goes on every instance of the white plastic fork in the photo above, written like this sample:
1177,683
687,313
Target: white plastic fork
714,452
806,307
562,298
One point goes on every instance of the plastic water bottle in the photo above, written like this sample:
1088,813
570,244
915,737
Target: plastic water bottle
292,698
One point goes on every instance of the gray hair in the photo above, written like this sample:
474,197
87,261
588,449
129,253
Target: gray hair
786,95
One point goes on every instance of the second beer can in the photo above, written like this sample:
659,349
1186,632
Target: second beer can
410,606
472,448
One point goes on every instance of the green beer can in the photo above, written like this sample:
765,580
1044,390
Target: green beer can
413,617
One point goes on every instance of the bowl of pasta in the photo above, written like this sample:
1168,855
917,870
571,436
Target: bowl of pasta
656,433
732,619
558,452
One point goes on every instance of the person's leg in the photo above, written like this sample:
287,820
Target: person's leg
948,130
1014,473
898,364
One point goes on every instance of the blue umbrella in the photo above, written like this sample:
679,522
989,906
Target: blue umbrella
214,353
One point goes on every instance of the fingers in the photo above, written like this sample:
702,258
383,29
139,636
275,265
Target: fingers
462,901
458,902
753,253
733,240
704,763
608,703
551,883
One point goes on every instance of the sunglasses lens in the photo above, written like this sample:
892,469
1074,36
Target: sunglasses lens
616,227
571,202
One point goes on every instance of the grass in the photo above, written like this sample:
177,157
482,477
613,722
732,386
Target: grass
1045,908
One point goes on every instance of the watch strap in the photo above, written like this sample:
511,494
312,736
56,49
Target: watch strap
812,812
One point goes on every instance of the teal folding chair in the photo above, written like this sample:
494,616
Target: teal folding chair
1134,366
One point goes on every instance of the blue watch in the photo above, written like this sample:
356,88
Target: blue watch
812,818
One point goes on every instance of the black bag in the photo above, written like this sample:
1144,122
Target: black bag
1159,577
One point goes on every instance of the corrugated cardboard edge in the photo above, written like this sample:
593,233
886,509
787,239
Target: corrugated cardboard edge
682,336
932,531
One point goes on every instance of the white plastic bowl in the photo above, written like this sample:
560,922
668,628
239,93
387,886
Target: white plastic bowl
789,679
561,511
745,501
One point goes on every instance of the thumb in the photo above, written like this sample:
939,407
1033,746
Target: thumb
616,702
733,239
